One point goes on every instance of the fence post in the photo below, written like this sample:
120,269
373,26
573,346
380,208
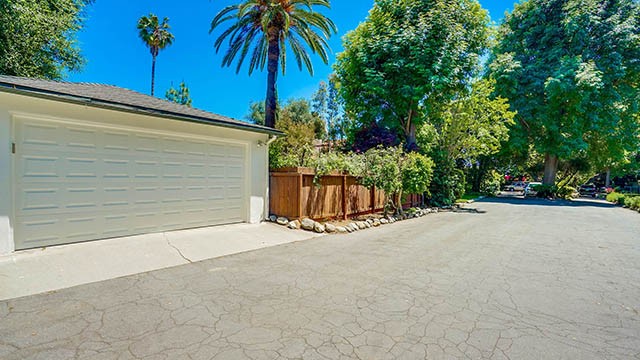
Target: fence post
300,196
344,197
373,199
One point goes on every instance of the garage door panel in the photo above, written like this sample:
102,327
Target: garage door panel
77,182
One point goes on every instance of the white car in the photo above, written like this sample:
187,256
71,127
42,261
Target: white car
516,186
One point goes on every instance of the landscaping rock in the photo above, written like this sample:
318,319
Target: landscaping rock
341,229
376,222
273,218
308,224
348,228
366,223
330,228
319,228
282,220
369,221
361,225
354,226
294,225
384,221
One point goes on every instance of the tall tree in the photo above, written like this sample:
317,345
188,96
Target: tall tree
156,36
180,95
319,101
335,121
408,58
38,37
570,68
267,26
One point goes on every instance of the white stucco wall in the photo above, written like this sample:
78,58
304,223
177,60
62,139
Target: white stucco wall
257,201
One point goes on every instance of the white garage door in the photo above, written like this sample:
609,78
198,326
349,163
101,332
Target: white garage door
77,182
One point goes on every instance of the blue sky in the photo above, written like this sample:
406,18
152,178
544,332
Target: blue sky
116,56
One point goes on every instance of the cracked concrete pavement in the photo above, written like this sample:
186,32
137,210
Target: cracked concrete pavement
501,279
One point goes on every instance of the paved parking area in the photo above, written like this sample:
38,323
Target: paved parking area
501,279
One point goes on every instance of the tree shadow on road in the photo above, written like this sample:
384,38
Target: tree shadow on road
582,202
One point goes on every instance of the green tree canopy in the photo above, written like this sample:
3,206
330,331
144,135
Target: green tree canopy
408,58
570,69
156,37
264,28
472,125
38,37
180,95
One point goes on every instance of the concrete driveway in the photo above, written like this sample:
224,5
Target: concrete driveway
502,279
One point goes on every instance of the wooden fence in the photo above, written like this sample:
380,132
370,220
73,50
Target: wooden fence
293,194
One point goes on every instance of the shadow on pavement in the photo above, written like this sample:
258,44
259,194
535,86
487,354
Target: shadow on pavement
543,202
469,210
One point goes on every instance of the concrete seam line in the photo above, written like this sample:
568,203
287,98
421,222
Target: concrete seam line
178,250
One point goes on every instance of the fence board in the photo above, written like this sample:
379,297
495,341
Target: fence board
293,194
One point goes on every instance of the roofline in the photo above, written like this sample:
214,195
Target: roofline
112,105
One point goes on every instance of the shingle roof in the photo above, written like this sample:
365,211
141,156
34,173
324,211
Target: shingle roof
122,99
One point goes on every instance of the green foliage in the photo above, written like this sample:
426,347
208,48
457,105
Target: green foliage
491,183
155,34
448,182
179,96
546,191
632,202
475,124
570,70
408,58
417,172
566,192
616,197
257,22
383,170
349,163
256,112
301,128
38,37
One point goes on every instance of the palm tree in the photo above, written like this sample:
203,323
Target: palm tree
156,36
267,25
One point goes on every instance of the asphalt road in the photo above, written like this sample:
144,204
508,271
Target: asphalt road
502,279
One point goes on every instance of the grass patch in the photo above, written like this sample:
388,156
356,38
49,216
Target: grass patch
467,197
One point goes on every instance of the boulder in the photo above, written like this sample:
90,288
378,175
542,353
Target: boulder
341,229
307,224
319,228
273,218
282,220
330,228
294,225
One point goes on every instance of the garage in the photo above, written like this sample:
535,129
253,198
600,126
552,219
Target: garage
79,173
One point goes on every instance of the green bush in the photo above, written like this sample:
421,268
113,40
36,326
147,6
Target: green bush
545,191
448,183
616,197
632,202
491,183
565,192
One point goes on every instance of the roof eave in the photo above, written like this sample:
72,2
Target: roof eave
79,100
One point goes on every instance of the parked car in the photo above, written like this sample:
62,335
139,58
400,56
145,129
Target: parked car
516,186
588,190
529,189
